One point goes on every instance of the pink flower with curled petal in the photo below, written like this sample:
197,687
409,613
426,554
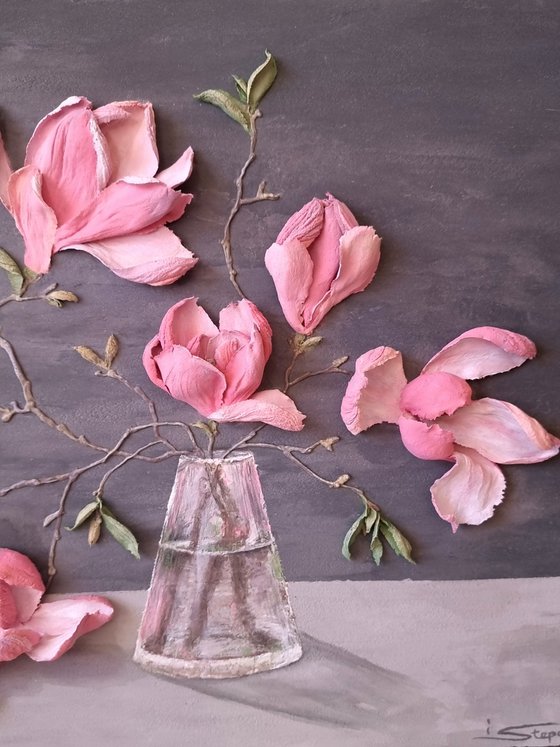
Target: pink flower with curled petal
42,631
438,419
217,370
320,257
90,182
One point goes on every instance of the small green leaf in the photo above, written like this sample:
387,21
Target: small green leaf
371,518
356,528
241,86
396,539
122,534
12,269
376,548
111,350
83,515
30,275
261,80
227,103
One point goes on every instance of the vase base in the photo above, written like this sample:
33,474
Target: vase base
216,668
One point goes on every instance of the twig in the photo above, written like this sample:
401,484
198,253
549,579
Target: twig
310,374
13,297
107,475
239,201
51,566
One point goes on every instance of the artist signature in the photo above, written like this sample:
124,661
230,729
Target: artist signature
544,733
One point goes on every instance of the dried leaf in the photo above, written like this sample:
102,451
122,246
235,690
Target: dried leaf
340,481
94,530
328,443
62,295
210,428
297,341
118,531
356,528
396,539
241,87
83,515
12,269
90,356
111,350
227,103
261,80
339,361
50,518
310,342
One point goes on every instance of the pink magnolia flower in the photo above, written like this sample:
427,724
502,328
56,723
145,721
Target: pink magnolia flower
89,182
42,631
218,370
320,257
438,419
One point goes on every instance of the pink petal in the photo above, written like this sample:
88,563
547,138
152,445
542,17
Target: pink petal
185,321
68,149
61,623
244,316
374,391
470,491
433,394
124,207
270,406
360,251
8,610
325,252
501,432
35,220
5,173
17,641
482,351
291,269
130,132
191,379
248,349
305,225
24,580
156,258
426,441
151,351
178,172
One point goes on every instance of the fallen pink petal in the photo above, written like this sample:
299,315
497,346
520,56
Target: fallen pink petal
218,369
438,420
43,631
321,257
373,393
482,351
90,182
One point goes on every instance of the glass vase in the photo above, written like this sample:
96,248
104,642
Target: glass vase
218,603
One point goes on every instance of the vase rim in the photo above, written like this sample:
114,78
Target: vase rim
217,458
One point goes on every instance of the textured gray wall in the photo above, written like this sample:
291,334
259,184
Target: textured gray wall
437,122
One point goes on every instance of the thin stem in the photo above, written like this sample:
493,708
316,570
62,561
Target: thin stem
107,475
14,298
51,563
288,372
310,374
239,201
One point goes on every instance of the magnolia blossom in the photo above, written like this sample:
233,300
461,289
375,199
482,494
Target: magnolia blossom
90,181
218,370
320,257
438,419
42,631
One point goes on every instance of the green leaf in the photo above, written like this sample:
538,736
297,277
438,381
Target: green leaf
396,539
261,80
83,515
227,103
122,534
12,269
241,86
376,548
356,528
30,275
371,519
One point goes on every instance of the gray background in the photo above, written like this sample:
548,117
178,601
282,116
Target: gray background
437,122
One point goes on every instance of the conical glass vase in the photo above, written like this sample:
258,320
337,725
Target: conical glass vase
218,603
